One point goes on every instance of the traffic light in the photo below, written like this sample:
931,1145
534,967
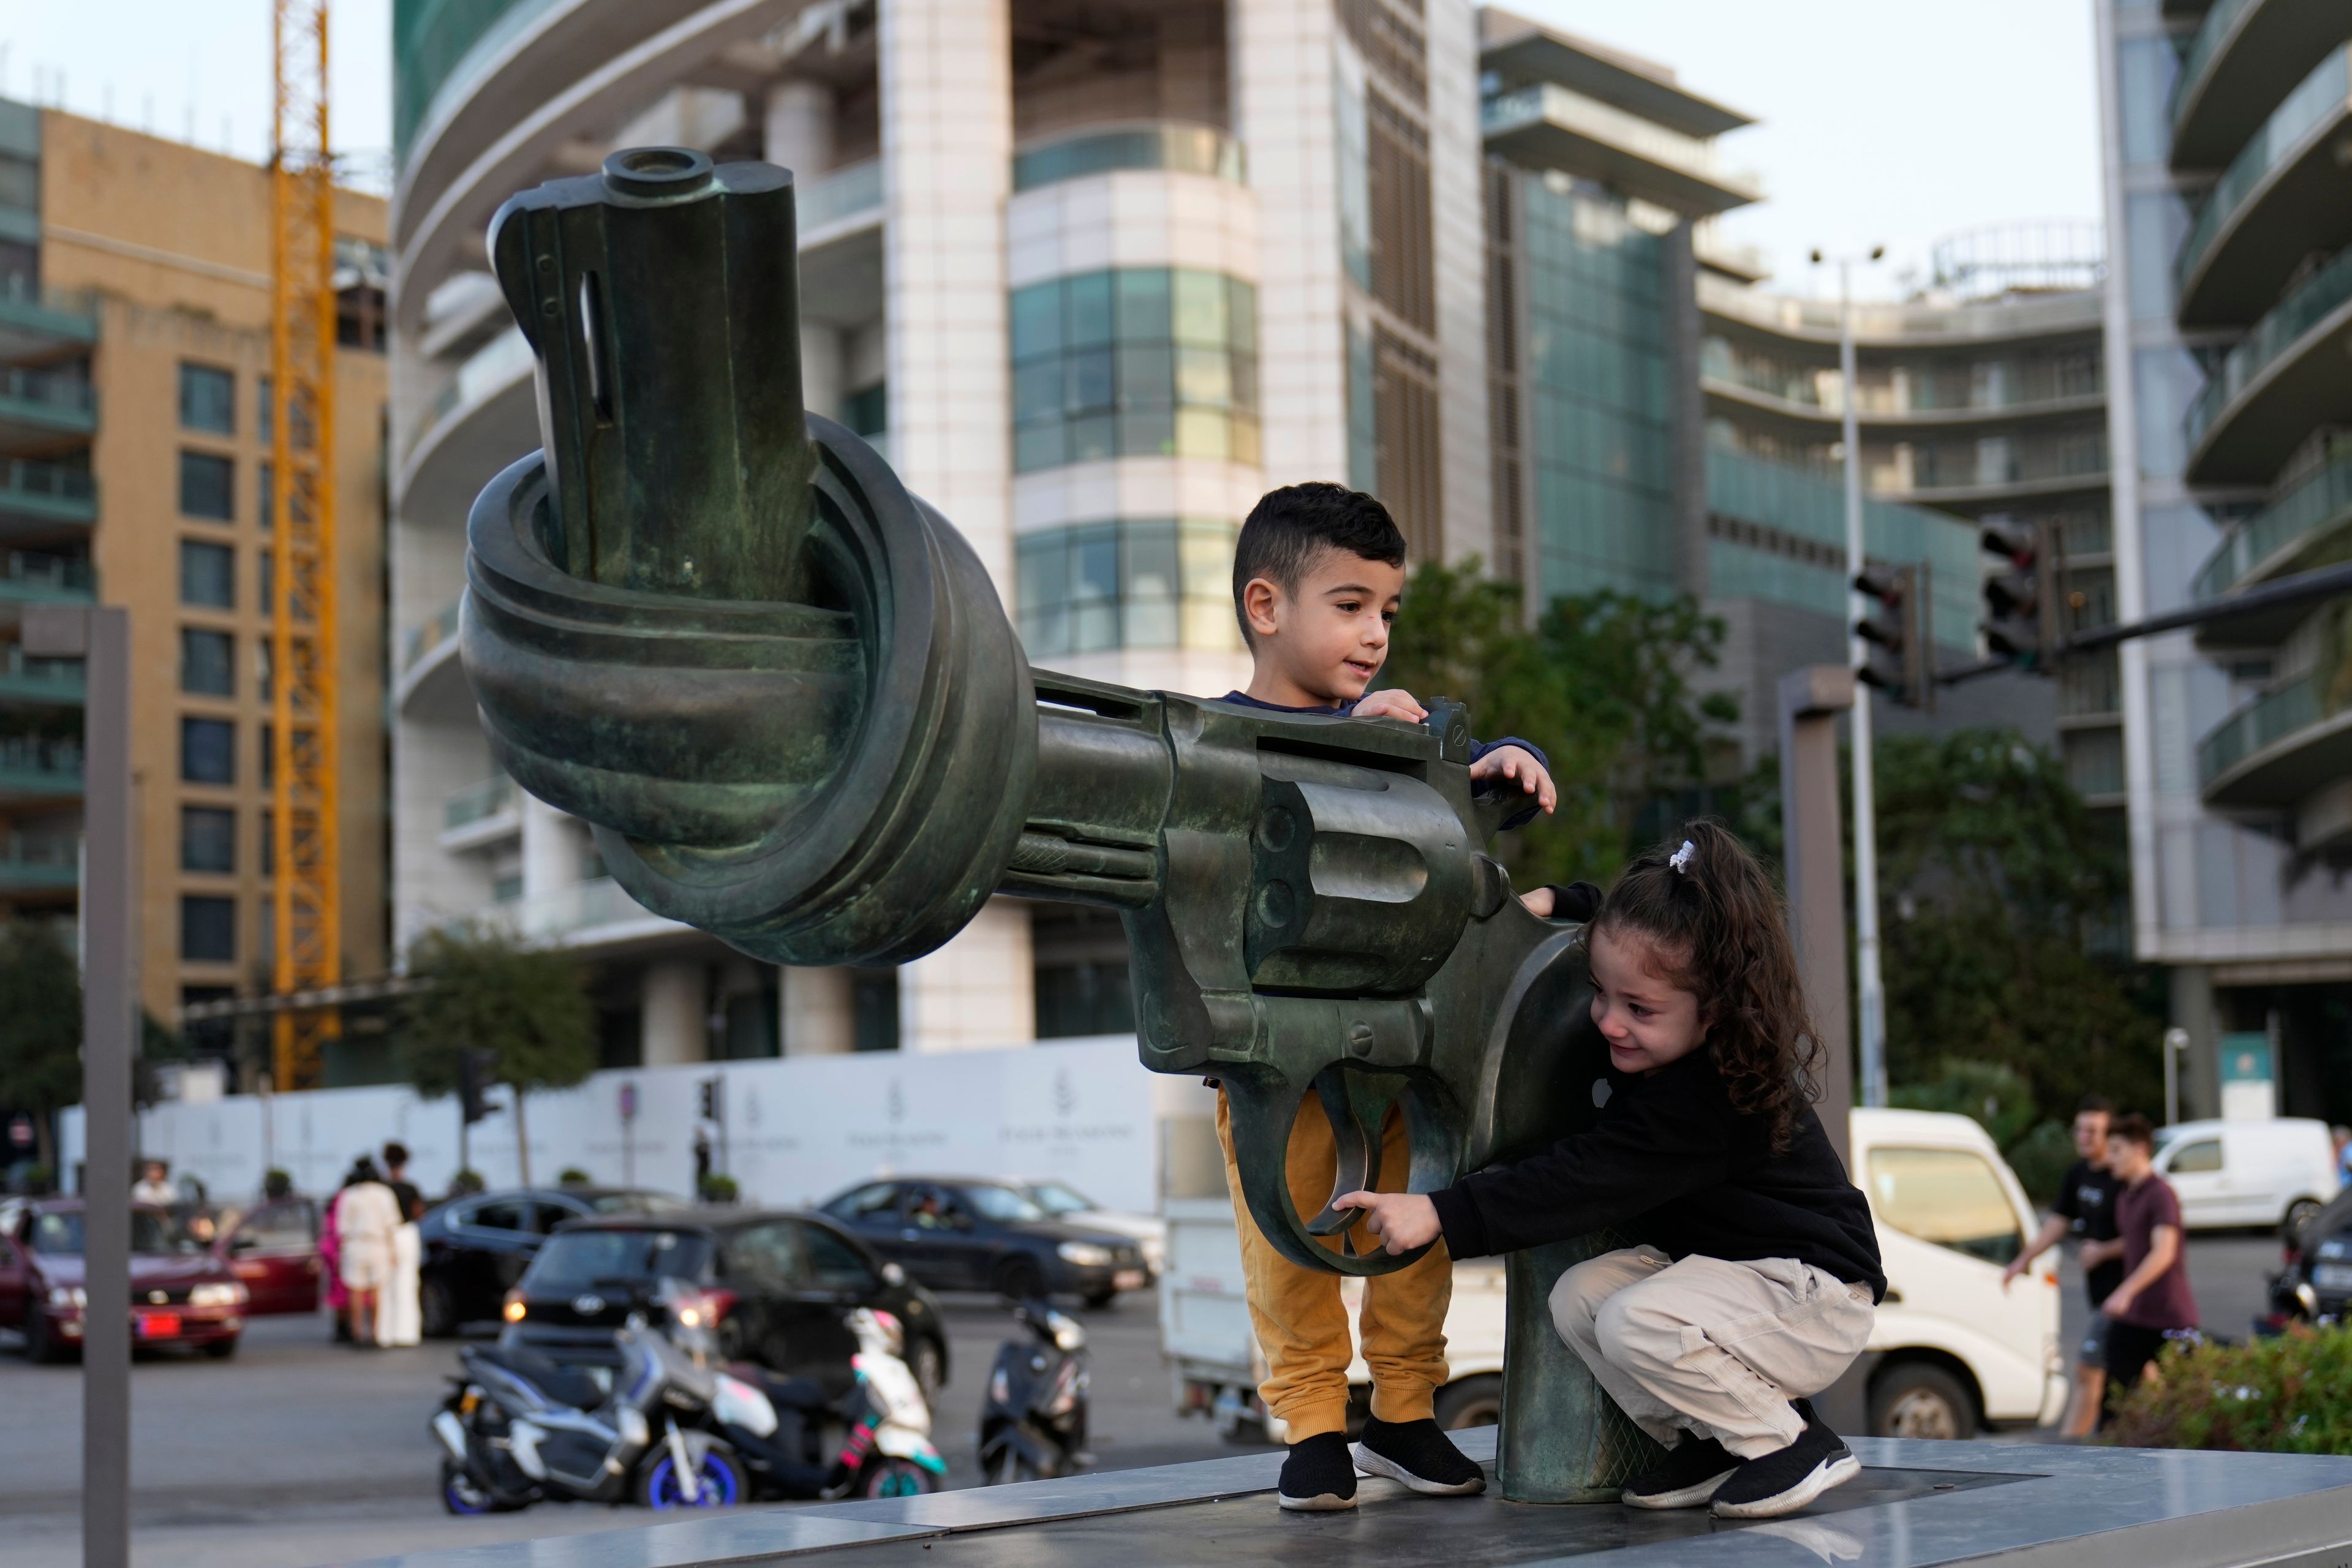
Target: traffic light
475,1068
2022,615
1901,660
714,1099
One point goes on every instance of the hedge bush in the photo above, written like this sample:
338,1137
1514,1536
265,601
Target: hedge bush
2288,1394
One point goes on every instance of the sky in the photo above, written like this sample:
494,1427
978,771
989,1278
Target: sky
1890,123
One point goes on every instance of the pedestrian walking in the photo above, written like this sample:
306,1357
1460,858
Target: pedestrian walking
399,1319
366,1215
2153,1304
2086,1209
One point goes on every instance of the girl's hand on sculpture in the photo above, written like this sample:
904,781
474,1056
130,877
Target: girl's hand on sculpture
1401,1220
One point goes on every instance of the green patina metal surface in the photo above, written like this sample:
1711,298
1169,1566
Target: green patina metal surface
785,694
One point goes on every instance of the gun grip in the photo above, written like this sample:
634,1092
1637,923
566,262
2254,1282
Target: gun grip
1265,1110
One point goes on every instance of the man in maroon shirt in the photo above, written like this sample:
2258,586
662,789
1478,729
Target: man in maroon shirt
2153,1303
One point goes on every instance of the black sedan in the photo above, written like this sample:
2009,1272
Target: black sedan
960,1232
2315,1285
778,1287
476,1247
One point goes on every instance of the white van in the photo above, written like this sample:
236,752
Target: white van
2275,1171
1952,1351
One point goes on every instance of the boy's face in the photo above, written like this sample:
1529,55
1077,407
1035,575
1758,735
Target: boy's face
2091,1136
1330,638
2129,1160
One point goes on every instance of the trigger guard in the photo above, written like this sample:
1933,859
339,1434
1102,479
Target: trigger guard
1262,1109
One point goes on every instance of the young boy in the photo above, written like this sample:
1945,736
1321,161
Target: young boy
1318,571
2153,1304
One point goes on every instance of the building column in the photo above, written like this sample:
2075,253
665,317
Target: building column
1686,333
551,849
796,129
1284,115
819,1015
947,151
2201,1064
821,387
1458,238
674,1015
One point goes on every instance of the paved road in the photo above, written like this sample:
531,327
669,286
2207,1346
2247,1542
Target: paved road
299,1452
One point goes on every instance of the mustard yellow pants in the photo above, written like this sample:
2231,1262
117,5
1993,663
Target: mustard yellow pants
1302,1322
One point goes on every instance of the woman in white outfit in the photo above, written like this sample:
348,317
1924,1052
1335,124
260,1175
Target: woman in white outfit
399,1320
366,1215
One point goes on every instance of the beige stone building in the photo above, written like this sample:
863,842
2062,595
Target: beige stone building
135,449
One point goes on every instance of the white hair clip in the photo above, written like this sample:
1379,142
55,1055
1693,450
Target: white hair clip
1680,859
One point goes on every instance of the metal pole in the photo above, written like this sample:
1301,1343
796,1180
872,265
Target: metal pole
1810,699
1870,987
102,637
2175,1042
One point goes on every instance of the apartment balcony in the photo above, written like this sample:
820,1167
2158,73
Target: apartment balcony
45,409
2277,750
39,324
34,769
1904,324
30,578
2000,470
2288,377
1166,146
38,499
428,655
1547,126
484,419
482,814
2246,56
39,682
2301,528
1791,393
40,863
2287,194
595,915
840,233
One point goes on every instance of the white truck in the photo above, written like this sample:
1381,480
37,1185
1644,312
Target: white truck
1951,1353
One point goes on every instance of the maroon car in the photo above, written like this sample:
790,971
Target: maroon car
179,1293
272,1247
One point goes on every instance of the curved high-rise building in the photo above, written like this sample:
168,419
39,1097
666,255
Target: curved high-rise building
2227,128
1094,275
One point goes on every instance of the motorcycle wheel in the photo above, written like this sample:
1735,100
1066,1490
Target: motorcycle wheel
460,1496
1010,1466
718,1481
891,1476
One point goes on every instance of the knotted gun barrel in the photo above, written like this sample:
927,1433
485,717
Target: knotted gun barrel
784,693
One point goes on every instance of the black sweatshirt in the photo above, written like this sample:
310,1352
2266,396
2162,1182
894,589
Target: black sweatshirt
1668,1164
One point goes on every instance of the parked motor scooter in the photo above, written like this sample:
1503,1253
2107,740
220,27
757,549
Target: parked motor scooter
519,1428
797,1442
1034,1423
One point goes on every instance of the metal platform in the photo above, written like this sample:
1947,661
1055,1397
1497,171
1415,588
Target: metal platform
1915,1504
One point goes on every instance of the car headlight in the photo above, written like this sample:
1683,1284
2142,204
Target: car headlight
218,1293
64,1296
1085,1253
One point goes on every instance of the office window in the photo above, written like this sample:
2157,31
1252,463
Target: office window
206,662
207,486
208,751
265,422
269,765
208,574
269,501
207,839
207,928
1135,362
268,842
207,399
266,581
1133,584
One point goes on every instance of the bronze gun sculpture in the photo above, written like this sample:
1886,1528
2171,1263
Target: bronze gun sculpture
785,693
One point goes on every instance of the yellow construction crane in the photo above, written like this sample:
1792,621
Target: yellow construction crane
309,924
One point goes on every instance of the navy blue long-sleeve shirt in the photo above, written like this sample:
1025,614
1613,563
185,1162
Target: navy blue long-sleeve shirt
1478,748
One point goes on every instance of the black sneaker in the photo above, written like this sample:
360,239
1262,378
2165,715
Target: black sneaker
1418,1454
1317,1476
1784,1482
1685,1478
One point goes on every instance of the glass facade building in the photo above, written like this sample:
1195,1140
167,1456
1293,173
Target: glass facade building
2223,128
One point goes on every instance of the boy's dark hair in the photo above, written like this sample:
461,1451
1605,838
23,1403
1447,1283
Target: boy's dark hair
1289,527
1714,919
396,1154
2094,1105
2133,1127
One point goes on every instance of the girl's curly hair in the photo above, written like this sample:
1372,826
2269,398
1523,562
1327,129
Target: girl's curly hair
1714,919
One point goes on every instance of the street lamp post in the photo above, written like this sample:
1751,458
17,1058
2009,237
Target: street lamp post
1870,986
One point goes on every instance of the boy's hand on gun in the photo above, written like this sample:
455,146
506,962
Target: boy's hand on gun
1390,704
1401,1220
1517,762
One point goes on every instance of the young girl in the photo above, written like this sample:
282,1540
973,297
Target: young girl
1758,1272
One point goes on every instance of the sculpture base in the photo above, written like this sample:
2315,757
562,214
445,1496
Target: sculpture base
1916,1505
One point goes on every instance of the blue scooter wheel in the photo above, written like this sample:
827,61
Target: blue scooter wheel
460,1496
718,1482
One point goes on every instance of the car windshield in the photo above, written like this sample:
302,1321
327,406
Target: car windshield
1058,1198
60,1234
1002,1204
636,1203
581,1260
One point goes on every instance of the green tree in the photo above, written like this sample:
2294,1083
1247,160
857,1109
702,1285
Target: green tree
486,991
40,1027
1601,682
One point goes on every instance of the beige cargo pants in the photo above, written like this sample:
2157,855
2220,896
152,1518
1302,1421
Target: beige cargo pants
1709,1347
